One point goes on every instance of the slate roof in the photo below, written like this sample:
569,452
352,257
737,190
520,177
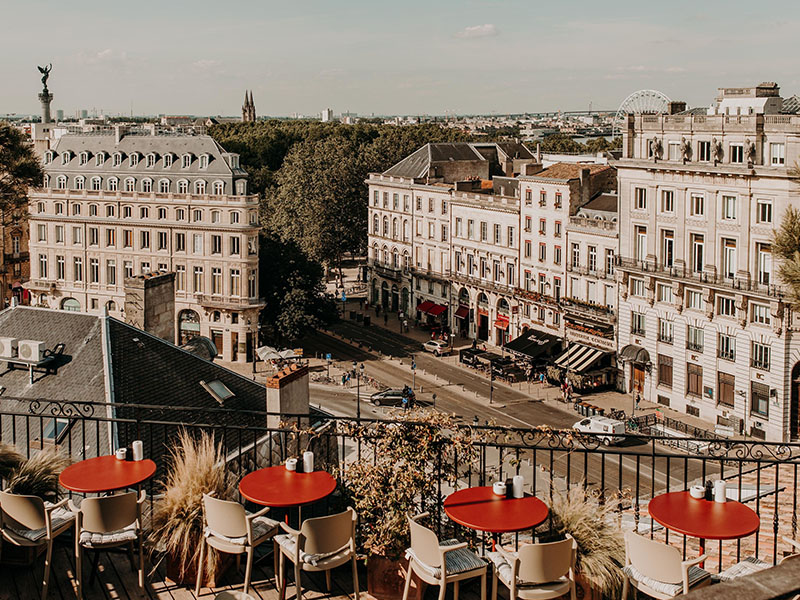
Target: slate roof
567,171
605,201
417,164
791,106
699,110
515,150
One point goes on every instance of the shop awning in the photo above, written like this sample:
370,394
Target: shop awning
532,343
579,358
425,306
634,353
436,310
501,323
462,312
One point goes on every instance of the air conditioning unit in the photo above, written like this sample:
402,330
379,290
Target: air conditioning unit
8,347
30,350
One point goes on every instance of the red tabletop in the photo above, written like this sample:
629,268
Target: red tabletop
481,509
277,487
105,474
704,519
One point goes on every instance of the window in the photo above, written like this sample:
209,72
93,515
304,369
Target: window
234,245
557,203
557,229
216,280
216,244
542,226
694,299
127,238
180,214
470,229
777,154
94,236
97,184
111,272
93,210
42,232
252,284
543,198
43,266
150,160
665,292
444,233
665,370
144,212
528,196
431,230
94,270
725,383
556,290
111,238
144,239
186,161
116,159
557,255
764,263
760,314
76,209
542,252
77,235
609,261
640,236
162,239
180,242
459,230
729,208
637,323
110,210
147,185
65,158
430,204
134,159
704,151
698,248
145,267
666,330
180,278
197,243
674,151
510,237
640,198
763,211
737,153
728,258
77,268
667,201
200,186
497,234
61,182
697,205
694,380
204,161
128,268
484,231
236,282
197,216
759,399
694,338
60,269
219,188
234,217
760,356
726,306
638,288
576,255
197,279
80,182
667,248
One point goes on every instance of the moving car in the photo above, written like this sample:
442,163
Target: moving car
390,398
610,431
438,347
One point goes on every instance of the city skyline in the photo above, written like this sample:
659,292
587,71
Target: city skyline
478,57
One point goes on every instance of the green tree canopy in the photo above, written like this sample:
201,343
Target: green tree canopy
786,247
20,169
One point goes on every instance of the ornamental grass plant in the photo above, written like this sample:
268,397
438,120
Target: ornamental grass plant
36,476
196,467
10,459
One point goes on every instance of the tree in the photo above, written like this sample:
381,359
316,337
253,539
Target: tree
561,142
601,144
20,169
786,247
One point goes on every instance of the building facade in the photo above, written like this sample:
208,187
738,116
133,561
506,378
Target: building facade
121,203
704,326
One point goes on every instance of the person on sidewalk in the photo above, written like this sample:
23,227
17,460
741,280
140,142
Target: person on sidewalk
405,325
385,318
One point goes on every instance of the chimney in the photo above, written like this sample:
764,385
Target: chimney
150,304
287,394
119,133
586,192
539,153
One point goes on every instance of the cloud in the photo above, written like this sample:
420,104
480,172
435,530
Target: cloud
106,56
478,31
206,63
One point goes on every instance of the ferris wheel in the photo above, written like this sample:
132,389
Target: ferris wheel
643,102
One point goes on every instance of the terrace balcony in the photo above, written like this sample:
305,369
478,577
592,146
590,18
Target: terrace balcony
762,475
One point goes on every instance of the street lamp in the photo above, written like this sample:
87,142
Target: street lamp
358,372
413,373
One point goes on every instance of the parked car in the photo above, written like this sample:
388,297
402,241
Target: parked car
390,398
610,431
438,347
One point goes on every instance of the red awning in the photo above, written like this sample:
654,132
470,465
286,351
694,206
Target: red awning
501,323
436,310
425,306
462,312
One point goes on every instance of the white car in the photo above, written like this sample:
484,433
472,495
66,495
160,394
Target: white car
438,347
610,431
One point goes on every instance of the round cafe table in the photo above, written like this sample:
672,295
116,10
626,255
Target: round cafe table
703,519
106,474
277,487
481,509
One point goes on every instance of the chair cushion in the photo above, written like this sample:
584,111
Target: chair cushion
289,543
505,571
457,561
121,536
262,527
696,576
58,518
748,566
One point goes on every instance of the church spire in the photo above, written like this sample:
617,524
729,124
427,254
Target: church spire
248,108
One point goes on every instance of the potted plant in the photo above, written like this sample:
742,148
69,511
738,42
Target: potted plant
397,473
35,476
601,545
197,467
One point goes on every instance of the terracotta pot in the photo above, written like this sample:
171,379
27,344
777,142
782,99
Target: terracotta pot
584,590
386,579
189,578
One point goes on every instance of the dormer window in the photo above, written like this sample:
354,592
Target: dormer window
116,159
46,180
80,182
61,182
204,161
48,157
186,161
199,187
183,186
150,161
130,184
234,161
163,186
66,157
84,158
100,159
134,159
219,188
96,183
147,185
168,159
112,184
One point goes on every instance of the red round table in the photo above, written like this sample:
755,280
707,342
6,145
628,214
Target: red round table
481,509
703,519
105,474
277,487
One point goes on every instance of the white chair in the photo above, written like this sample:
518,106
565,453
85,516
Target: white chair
537,571
438,563
657,569
231,595
30,522
108,522
321,544
229,528
751,564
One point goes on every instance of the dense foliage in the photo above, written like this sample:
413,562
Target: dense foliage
787,249
20,169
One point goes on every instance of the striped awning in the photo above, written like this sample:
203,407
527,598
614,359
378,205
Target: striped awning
578,358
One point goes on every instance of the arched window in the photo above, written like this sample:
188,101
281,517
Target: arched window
395,232
116,159
100,159
385,255
150,160
110,210
188,325
126,212
163,186
71,305
200,186
130,184
84,158
46,180
112,184
80,182
376,254
180,214
144,212
147,185
111,306
406,260
395,258
234,217
97,183
183,186
405,230
48,156
162,213
66,157
197,215
215,216
76,209
376,225
219,188
61,182
204,161
186,161
134,159
168,158
386,226
93,210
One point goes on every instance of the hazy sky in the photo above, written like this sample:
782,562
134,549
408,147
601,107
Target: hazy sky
375,56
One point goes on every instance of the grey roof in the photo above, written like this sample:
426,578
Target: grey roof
700,110
417,164
515,150
791,106
606,202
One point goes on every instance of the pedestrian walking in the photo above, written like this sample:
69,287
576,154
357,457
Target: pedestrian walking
385,318
344,379
405,325
348,380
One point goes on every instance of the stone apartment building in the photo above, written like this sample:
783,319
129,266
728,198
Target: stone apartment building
704,326
119,203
